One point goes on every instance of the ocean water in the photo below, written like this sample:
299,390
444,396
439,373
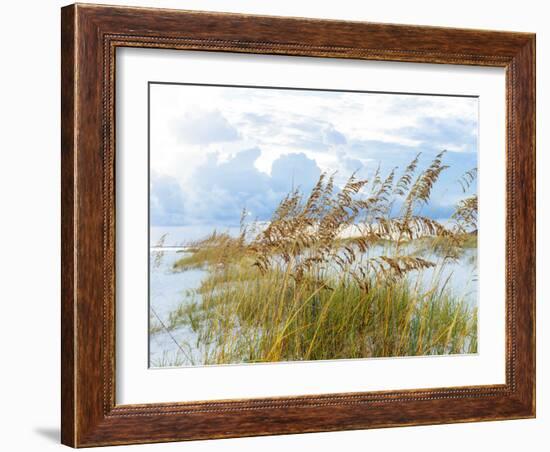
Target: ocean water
180,236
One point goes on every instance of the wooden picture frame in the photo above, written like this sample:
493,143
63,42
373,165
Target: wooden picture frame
90,35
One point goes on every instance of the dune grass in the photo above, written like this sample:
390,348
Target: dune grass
305,288
272,318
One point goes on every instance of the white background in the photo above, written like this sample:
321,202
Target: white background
29,393
137,384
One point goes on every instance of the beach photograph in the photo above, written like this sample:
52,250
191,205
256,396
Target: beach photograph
291,224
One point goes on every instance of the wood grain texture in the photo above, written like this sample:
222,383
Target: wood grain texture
90,36
68,147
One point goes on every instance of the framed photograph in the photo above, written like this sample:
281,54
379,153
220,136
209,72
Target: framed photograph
281,225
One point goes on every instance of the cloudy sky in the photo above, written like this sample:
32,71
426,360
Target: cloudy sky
217,150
